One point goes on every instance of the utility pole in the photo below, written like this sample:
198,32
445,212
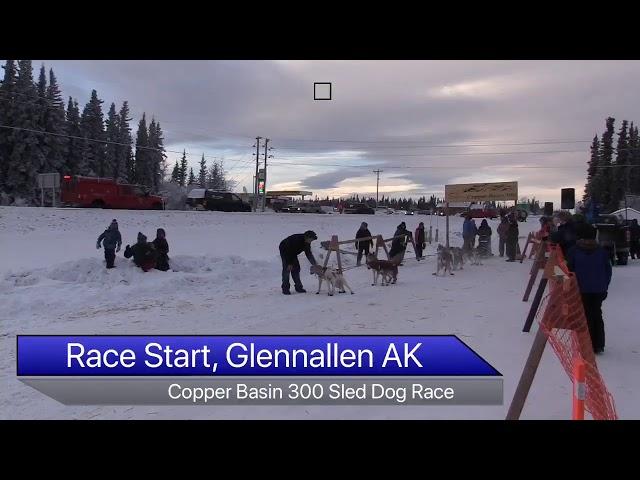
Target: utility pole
264,179
255,181
377,172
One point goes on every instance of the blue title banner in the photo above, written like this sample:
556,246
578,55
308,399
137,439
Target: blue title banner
446,355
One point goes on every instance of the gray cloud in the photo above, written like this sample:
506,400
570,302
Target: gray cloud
218,107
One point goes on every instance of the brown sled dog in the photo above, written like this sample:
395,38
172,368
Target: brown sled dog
385,268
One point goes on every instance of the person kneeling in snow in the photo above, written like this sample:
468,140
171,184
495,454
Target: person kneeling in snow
162,247
112,241
144,254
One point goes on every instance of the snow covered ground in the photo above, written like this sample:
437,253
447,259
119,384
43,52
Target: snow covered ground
227,281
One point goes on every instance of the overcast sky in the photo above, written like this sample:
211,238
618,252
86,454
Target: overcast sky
412,119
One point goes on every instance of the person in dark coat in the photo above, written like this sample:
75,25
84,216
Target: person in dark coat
112,241
502,234
144,254
363,246
565,234
162,249
469,232
290,248
634,232
512,239
399,244
420,240
592,267
484,238
545,229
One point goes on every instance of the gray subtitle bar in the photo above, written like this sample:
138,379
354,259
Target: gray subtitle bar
270,390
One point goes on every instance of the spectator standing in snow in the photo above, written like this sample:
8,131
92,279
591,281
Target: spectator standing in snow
512,239
290,248
592,267
469,232
144,254
484,238
363,245
545,229
112,241
502,234
162,248
565,234
399,244
420,240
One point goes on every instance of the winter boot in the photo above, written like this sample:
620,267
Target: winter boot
300,290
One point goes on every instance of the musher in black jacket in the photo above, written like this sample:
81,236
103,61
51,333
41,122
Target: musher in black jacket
363,246
290,248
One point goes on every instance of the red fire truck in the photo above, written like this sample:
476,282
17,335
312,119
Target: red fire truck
78,191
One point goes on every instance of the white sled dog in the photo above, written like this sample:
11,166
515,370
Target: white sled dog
332,277
475,256
444,261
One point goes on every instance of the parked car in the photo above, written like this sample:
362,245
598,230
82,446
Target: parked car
290,208
423,212
359,208
409,212
384,210
216,200
96,192
309,207
328,209
482,212
615,237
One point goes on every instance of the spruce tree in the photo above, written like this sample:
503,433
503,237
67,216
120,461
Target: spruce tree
620,173
26,155
183,169
592,170
602,180
142,170
125,164
74,159
111,148
157,158
213,181
92,127
634,161
41,118
192,177
55,122
175,174
202,176
7,116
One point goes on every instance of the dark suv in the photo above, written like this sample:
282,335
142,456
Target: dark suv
360,208
224,202
615,237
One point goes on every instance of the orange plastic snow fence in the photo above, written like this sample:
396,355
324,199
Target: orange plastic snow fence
565,325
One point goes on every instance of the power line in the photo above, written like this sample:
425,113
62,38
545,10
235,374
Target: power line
420,167
465,154
458,145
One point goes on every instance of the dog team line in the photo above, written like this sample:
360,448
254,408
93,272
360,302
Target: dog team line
240,355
